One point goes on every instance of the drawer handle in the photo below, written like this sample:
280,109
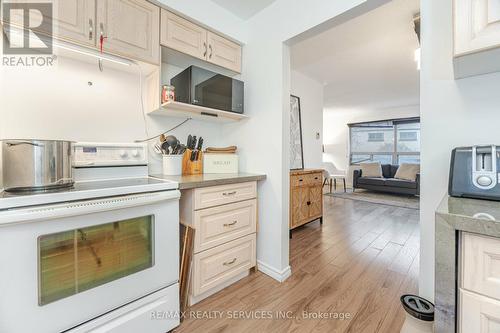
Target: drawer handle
316,178
229,193
227,263
230,224
300,180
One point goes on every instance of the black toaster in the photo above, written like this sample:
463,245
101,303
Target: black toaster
474,172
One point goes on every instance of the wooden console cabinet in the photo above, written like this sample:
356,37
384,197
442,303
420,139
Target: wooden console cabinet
306,197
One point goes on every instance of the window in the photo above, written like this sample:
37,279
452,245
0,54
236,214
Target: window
388,142
408,136
376,137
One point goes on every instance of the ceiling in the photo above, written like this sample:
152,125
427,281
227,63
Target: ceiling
244,8
367,62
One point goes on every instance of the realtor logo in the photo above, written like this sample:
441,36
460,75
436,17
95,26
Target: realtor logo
25,40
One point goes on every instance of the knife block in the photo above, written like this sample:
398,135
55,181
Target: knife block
192,167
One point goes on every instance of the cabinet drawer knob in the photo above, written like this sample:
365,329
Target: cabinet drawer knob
309,203
230,262
229,193
230,224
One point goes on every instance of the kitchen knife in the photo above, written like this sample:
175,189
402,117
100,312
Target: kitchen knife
193,145
189,140
198,149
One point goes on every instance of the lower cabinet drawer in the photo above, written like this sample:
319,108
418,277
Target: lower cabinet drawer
212,196
315,179
218,225
219,264
298,180
478,313
481,264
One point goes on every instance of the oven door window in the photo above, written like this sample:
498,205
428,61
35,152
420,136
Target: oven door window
73,261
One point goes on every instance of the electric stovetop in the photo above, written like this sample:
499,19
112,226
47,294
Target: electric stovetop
85,190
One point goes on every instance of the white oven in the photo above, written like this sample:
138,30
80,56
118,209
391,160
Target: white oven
90,265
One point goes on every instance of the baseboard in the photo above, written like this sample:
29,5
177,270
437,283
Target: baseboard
279,276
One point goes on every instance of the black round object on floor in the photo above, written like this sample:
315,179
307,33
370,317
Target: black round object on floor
418,307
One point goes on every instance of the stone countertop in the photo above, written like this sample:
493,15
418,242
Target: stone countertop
211,179
452,216
471,215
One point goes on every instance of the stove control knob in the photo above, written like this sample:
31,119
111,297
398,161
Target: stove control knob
484,180
135,153
123,153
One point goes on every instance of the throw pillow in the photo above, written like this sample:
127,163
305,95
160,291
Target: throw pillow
372,170
407,171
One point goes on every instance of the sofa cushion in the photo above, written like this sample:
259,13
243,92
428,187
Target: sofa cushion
400,183
394,170
371,170
386,171
371,181
407,171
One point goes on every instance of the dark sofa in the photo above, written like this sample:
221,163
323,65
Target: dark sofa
388,183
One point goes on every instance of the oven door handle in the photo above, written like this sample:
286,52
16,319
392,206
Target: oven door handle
85,207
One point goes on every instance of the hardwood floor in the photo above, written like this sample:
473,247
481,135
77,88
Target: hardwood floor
358,264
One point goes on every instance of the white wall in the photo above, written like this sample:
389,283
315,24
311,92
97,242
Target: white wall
58,103
311,107
454,113
265,136
336,132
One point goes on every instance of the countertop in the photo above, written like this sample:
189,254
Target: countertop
211,179
471,215
457,215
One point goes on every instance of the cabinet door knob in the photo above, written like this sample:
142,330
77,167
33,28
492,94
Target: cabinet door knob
211,51
91,29
309,203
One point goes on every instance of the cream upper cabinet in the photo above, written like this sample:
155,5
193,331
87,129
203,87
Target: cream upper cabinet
477,37
187,37
75,21
182,35
130,28
71,20
223,52
477,25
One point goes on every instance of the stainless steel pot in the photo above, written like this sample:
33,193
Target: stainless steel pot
36,165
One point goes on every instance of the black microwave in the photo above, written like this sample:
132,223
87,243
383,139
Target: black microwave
201,87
